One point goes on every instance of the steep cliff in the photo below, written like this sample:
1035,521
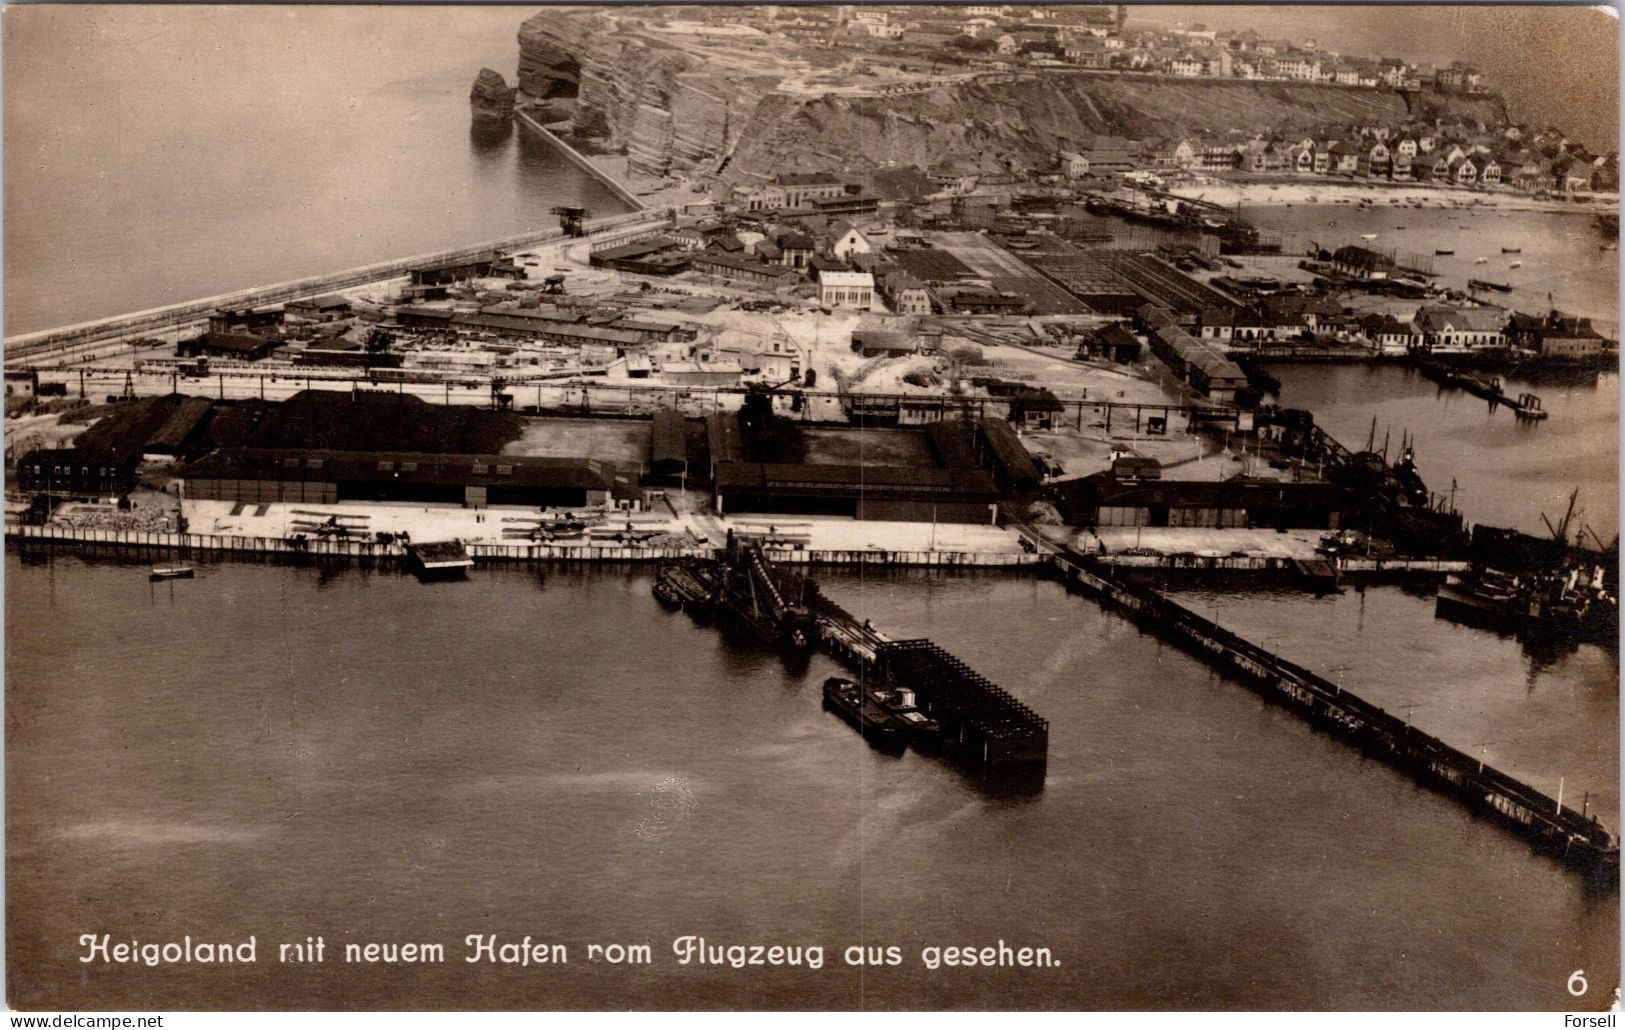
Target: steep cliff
704,108
666,109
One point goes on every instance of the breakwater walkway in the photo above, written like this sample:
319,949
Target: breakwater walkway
580,160
24,348
1551,827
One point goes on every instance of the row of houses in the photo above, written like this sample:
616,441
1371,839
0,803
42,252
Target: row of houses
1401,159
1439,328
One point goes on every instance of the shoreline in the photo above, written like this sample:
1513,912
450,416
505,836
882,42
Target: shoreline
1279,192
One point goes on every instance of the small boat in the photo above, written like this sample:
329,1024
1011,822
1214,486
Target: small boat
1368,236
1516,264
171,572
1481,284
1480,261
1512,250
1444,253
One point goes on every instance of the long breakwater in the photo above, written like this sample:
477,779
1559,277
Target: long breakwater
1551,827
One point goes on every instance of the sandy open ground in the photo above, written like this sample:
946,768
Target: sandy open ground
1322,190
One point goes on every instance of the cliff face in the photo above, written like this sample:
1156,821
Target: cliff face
663,107
674,106
491,98
1028,121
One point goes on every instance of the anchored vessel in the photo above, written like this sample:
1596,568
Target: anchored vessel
1549,605
884,716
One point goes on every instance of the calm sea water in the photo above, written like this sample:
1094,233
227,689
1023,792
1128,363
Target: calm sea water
159,154
1507,472
1560,256
288,751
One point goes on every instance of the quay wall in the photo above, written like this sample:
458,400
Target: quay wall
580,160
206,543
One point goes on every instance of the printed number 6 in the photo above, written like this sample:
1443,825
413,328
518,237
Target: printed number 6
1577,982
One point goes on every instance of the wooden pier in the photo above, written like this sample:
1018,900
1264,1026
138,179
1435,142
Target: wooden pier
983,725
1526,406
1576,838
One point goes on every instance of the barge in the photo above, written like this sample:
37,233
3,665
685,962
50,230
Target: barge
690,585
883,729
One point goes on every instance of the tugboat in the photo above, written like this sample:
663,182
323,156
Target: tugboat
881,728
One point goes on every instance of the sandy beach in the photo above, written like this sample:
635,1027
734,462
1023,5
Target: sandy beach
1323,190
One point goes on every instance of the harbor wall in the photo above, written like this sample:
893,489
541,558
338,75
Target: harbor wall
209,543
1549,825
579,159
38,344
1265,563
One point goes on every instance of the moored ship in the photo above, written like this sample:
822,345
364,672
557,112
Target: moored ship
881,728
1552,606
689,585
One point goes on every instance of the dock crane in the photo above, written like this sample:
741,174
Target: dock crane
752,594
570,219
1560,532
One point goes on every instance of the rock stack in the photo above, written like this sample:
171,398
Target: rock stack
491,99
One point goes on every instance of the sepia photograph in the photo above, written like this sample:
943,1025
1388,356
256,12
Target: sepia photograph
836,508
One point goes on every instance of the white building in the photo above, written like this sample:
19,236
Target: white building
846,290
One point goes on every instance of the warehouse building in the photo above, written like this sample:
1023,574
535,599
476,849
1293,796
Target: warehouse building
472,480
76,472
668,446
872,492
1106,499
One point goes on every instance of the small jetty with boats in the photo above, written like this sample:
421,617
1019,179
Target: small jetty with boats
1526,406
904,692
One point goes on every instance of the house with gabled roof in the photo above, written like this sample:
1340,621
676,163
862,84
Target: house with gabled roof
1461,328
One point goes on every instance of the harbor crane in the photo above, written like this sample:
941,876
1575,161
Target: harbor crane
1560,532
